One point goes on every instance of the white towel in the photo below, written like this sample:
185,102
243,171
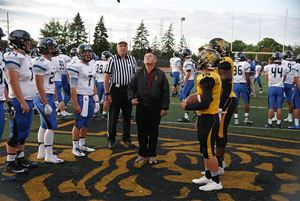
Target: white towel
85,106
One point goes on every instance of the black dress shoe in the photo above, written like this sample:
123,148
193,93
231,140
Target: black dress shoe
129,143
111,145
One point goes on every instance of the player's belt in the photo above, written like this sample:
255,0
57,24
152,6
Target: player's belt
90,96
120,86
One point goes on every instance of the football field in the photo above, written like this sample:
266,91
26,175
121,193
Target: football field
262,164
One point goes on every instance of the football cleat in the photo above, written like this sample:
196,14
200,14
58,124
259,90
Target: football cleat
268,125
25,163
7,178
53,159
289,119
68,114
104,116
247,121
77,152
11,167
221,171
211,186
202,180
183,120
236,121
85,148
279,126
294,127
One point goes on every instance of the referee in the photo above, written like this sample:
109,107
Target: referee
119,71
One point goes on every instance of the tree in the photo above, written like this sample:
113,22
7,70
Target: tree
168,43
56,31
100,42
182,45
140,41
78,35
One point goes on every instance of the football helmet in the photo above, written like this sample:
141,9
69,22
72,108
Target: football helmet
105,55
202,47
209,58
61,49
45,44
277,57
34,53
255,61
2,33
220,45
288,54
82,48
176,54
73,52
186,53
17,38
240,56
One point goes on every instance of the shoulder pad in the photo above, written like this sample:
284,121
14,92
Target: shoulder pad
224,65
207,82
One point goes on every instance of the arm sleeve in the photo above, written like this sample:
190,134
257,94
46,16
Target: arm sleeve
165,101
132,87
206,100
226,85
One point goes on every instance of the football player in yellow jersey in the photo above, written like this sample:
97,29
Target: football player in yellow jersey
209,86
228,101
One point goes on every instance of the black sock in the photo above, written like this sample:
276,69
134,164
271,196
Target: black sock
216,179
207,174
220,160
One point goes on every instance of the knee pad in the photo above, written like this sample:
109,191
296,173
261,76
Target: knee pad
174,85
22,142
12,142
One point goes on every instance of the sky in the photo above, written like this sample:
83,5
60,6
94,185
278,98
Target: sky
249,21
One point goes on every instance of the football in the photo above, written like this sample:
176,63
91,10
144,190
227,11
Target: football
194,98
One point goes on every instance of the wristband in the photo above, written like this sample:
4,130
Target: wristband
106,94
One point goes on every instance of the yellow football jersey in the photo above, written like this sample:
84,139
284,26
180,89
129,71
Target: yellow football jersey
210,79
229,60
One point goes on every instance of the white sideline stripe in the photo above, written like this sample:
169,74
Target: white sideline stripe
256,107
232,126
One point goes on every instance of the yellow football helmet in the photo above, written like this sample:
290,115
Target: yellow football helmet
220,45
209,58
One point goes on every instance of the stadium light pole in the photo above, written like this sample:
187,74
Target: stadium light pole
181,19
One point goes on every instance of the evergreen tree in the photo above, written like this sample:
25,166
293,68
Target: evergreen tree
182,44
168,43
78,35
155,46
100,38
140,42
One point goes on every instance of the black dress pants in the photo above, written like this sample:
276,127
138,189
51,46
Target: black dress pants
119,101
148,120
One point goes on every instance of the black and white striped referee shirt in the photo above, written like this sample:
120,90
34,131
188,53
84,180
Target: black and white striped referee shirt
121,70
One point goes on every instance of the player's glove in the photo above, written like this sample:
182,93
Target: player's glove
220,114
56,104
171,74
11,111
97,105
47,109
